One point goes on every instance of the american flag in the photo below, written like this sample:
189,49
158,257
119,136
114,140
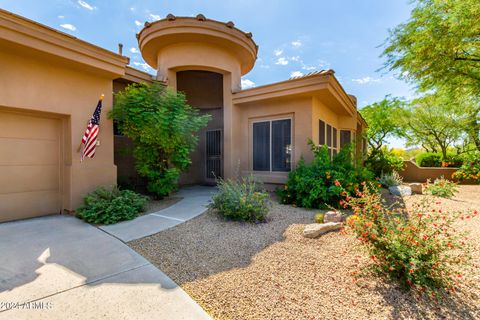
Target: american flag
89,140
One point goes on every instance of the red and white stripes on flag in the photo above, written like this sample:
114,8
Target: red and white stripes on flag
89,140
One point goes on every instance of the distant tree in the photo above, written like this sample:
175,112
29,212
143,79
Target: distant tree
439,46
383,121
433,122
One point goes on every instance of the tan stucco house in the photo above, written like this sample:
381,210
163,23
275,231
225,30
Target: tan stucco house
50,82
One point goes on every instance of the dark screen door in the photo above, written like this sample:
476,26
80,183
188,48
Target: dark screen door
213,154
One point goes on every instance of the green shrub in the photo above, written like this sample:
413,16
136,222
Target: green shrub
107,206
390,179
383,161
163,128
453,161
470,170
319,218
429,159
243,199
422,251
317,185
441,188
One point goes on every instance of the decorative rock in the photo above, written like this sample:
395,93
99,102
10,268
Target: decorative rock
333,216
400,191
416,188
230,24
316,229
171,17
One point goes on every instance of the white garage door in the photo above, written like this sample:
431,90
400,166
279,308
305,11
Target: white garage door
29,166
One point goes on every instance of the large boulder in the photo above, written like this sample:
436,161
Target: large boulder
315,230
333,216
400,191
417,188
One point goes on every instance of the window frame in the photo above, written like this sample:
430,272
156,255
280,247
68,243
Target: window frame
270,120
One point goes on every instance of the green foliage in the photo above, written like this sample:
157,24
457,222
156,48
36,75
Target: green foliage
438,46
432,121
382,119
470,170
319,217
383,161
429,159
107,206
441,188
162,126
422,250
390,179
318,184
243,199
438,50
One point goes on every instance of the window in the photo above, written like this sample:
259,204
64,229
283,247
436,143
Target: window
345,137
272,145
327,135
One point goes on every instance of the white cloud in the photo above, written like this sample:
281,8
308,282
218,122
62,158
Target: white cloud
308,68
85,5
138,23
61,17
246,83
282,61
296,74
365,80
296,43
323,64
132,9
68,26
154,17
296,58
144,66
133,50
278,52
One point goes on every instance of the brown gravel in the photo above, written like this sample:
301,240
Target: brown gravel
157,205
270,271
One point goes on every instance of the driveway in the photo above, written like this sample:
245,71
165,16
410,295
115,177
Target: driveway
58,267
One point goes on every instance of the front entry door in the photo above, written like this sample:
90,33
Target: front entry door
213,159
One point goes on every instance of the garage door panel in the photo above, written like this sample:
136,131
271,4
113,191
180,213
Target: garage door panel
14,125
30,163
29,178
28,204
28,152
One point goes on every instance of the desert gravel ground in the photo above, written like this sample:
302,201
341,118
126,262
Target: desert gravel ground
270,271
153,205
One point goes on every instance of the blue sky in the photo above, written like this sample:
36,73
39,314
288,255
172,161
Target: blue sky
295,37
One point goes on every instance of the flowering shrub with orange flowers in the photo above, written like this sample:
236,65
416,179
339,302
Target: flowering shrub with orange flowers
470,170
421,249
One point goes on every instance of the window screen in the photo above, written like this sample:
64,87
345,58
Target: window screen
335,138
345,137
329,135
281,141
261,146
321,132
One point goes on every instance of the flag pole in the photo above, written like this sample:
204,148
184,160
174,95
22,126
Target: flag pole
80,145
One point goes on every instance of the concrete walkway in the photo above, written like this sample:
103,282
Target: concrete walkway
194,202
59,267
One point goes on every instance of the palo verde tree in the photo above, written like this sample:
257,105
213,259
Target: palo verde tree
163,128
383,121
433,122
438,46
438,50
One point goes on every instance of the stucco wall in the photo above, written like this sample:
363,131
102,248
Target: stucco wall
414,173
40,84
